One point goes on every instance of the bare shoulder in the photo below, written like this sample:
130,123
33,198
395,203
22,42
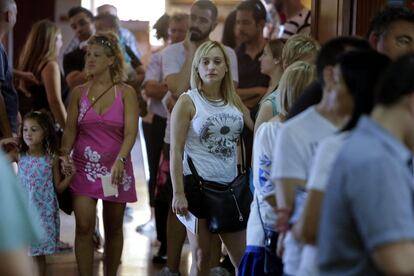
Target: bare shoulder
51,67
77,91
185,104
127,90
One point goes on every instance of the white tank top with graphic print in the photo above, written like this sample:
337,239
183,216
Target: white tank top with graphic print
212,139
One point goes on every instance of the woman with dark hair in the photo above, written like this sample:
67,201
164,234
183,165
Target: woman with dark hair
355,76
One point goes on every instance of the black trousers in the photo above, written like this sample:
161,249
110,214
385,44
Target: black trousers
154,137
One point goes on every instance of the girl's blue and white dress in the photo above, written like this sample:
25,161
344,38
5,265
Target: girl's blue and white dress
36,176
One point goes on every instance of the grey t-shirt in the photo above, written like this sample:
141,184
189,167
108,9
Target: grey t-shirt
369,201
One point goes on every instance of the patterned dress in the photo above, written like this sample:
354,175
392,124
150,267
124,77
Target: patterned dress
36,176
99,139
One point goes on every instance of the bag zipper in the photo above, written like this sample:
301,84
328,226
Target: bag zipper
237,205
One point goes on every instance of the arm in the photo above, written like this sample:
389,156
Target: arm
71,126
4,120
140,71
395,258
265,114
76,78
247,118
51,79
25,76
306,229
180,82
155,89
251,96
61,184
181,117
285,200
130,131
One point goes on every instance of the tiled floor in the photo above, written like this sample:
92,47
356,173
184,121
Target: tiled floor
138,248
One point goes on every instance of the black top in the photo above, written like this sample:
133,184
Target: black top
38,99
74,61
249,70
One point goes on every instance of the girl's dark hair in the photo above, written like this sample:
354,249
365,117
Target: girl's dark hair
361,71
45,120
397,82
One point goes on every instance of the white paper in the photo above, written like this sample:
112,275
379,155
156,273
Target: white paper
108,188
190,222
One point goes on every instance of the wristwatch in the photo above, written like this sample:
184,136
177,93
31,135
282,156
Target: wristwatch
122,159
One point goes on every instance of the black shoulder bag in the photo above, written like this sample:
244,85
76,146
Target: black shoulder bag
227,205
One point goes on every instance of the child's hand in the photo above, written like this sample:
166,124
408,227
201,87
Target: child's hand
66,165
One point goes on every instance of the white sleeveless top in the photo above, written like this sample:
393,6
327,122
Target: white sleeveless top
212,139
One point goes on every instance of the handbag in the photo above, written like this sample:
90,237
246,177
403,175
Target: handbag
227,206
65,197
272,263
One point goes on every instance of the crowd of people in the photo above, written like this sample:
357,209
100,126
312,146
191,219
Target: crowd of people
291,157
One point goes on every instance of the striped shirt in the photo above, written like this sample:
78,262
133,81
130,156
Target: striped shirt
299,23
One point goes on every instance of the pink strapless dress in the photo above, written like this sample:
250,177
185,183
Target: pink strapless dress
96,148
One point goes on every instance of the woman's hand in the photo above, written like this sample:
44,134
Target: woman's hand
9,144
282,222
179,204
117,172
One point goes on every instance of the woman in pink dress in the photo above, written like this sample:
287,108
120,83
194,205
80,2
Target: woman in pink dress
100,132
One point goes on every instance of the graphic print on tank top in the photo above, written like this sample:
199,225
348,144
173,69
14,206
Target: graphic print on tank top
220,134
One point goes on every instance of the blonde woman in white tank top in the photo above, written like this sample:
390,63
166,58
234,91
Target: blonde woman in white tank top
206,124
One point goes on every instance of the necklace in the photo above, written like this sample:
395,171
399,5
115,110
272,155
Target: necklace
215,102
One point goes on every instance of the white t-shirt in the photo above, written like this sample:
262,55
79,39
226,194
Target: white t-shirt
173,58
264,140
212,138
292,158
154,72
318,180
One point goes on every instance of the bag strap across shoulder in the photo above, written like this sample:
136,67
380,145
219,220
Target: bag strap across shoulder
97,99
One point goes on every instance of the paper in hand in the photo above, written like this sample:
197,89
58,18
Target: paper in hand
190,222
108,188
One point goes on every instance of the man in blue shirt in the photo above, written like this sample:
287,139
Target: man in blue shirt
367,220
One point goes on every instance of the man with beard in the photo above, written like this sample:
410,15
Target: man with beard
177,58
176,69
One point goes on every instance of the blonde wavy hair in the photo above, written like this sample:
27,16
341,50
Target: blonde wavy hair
39,49
294,80
227,86
298,47
112,48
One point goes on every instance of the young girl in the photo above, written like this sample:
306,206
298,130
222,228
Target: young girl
39,173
